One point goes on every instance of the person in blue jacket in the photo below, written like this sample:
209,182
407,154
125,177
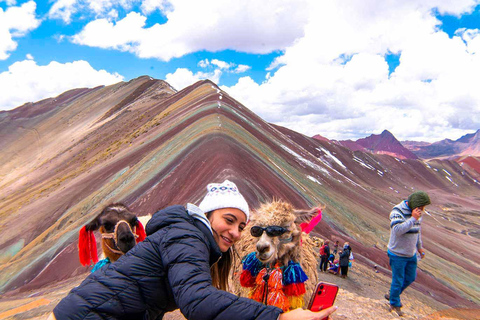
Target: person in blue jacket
183,263
405,241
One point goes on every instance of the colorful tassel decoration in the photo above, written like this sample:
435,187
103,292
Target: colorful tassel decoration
294,273
246,279
295,302
276,296
252,264
87,247
140,231
294,289
258,291
286,285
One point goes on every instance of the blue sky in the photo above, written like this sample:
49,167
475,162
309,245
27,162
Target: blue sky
342,69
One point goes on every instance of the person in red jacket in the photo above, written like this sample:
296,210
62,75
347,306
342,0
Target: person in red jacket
324,255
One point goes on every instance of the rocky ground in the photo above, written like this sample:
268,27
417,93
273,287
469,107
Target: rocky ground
360,297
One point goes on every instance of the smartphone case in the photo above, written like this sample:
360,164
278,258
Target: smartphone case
323,296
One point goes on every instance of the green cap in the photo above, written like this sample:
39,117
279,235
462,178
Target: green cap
418,199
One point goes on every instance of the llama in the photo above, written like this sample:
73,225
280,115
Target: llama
279,252
120,229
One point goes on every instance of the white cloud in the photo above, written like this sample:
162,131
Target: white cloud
15,22
241,68
221,64
209,25
148,6
224,66
182,77
48,81
29,56
334,80
9,2
104,34
203,63
65,9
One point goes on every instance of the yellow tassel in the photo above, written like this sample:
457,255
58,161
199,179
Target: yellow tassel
296,302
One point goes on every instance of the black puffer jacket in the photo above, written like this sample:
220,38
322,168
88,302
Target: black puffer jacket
170,269
345,257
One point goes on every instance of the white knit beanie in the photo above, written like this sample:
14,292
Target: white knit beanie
224,195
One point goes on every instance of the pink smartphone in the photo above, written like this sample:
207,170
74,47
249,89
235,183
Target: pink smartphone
323,296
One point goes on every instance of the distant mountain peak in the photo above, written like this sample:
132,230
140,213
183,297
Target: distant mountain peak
386,133
321,138
384,143
470,137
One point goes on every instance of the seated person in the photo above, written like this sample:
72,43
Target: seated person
334,267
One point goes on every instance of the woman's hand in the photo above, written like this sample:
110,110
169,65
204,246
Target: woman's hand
302,314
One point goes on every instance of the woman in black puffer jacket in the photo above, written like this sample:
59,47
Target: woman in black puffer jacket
172,268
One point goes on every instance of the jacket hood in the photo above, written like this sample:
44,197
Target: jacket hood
179,215
403,206
166,217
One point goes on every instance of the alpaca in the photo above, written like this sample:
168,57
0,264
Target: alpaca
120,229
271,251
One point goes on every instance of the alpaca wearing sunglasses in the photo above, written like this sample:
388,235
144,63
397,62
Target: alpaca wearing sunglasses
275,235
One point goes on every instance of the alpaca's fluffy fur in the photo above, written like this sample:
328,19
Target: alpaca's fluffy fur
302,249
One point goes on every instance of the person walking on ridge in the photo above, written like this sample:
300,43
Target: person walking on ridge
405,241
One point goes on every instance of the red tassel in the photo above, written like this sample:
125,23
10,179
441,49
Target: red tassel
87,247
140,232
246,279
294,289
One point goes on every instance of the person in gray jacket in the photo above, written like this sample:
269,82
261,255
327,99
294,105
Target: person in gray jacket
405,241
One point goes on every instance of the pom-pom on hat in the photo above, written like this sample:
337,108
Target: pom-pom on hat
224,195
418,199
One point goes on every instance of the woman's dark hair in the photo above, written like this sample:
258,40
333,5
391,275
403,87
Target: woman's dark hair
221,269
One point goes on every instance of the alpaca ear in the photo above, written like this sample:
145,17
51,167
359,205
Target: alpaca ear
309,219
140,232
93,225
87,247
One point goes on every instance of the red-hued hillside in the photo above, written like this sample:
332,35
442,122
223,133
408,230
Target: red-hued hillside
470,162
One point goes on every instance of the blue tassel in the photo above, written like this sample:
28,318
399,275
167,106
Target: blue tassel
293,273
100,264
252,264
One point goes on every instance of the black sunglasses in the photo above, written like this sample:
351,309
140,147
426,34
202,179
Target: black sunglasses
272,231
